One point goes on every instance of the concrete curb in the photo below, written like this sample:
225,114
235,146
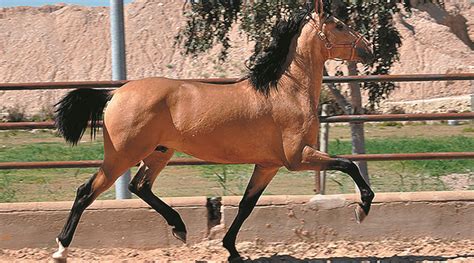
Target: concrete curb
131,223
102,204
442,196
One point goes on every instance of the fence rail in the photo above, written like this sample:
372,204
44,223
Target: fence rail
323,119
330,119
194,161
338,79
398,117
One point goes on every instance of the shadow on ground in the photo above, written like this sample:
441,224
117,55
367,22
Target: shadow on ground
395,259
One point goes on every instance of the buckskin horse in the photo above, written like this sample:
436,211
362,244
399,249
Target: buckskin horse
268,118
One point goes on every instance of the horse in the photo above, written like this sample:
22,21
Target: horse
268,118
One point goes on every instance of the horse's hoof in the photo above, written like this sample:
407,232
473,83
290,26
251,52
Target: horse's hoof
59,260
61,254
181,235
237,259
360,214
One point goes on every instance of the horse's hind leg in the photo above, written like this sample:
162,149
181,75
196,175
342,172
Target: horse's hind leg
86,194
141,186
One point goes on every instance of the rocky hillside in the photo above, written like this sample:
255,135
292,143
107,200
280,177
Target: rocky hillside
69,42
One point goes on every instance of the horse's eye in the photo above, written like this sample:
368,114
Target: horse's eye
339,26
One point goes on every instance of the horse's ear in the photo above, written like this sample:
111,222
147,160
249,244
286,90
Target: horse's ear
319,7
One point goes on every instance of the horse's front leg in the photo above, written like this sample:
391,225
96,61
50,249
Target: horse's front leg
261,177
312,159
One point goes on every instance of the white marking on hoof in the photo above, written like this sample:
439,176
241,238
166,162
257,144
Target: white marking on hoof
179,235
360,214
61,254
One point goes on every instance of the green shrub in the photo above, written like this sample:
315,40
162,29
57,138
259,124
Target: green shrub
16,114
7,193
468,129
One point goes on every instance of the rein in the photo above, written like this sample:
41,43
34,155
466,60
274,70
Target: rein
329,46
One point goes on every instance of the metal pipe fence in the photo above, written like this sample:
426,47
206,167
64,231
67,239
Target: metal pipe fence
324,119
337,79
195,161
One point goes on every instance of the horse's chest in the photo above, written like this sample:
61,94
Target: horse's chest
301,126
309,129
304,121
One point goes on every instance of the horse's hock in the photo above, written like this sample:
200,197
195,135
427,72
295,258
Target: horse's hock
131,223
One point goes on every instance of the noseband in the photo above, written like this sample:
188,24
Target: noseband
329,46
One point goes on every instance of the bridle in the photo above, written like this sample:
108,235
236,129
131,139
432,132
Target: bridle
329,46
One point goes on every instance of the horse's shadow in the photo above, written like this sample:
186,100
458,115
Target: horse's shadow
394,259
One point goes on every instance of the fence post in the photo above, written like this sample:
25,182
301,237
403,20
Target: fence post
472,96
317,182
323,147
119,72
317,174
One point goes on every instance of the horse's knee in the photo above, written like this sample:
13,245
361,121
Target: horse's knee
307,158
137,186
343,165
304,165
132,187
139,181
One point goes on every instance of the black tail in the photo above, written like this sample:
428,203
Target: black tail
75,110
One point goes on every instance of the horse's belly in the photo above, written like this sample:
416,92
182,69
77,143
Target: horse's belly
233,145
232,154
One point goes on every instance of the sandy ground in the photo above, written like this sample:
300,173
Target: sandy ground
420,250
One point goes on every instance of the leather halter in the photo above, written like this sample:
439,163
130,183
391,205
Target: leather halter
329,46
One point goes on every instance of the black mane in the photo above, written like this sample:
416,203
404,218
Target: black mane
270,64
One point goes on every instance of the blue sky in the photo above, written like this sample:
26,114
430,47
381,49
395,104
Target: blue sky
9,3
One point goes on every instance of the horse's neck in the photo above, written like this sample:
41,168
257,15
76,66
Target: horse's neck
304,77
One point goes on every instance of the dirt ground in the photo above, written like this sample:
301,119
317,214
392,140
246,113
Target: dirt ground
419,250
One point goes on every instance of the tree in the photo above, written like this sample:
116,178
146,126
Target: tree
209,23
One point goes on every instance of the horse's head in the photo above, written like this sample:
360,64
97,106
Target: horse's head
340,41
